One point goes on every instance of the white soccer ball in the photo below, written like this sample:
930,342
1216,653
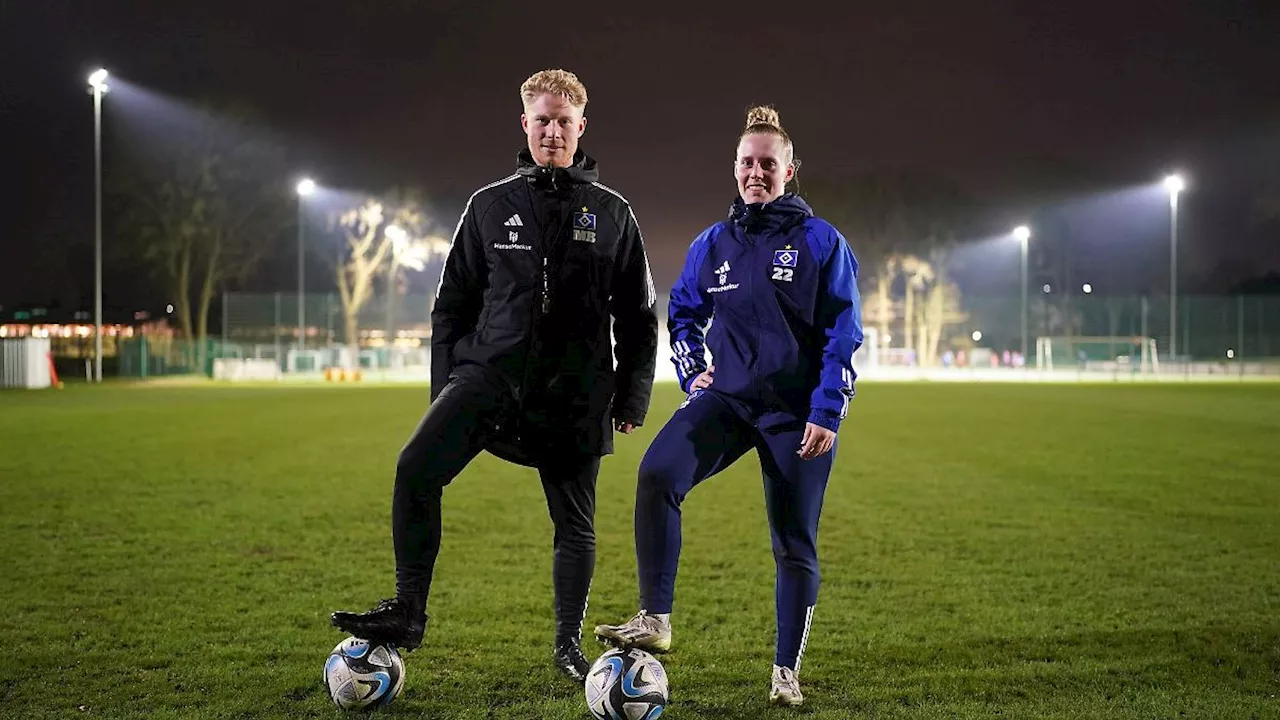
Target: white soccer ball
362,676
626,685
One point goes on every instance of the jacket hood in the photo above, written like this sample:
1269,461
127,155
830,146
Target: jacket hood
787,211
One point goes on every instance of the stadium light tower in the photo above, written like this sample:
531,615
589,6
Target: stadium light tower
1174,184
97,88
306,186
1022,234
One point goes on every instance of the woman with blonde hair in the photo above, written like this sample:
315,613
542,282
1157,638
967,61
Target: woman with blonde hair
781,285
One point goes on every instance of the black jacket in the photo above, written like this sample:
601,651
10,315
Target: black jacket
542,263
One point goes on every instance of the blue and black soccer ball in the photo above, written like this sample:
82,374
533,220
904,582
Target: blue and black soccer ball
626,685
363,676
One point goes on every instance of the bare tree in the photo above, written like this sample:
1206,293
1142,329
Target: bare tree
370,234
939,309
409,253
870,210
918,274
901,227
200,201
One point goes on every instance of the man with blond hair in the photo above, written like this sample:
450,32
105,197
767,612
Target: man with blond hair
544,264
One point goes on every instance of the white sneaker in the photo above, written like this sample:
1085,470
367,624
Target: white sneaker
643,631
785,688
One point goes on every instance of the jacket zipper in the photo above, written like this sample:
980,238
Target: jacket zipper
546,247
546,288
755,310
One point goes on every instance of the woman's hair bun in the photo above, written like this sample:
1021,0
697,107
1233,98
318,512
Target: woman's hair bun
763,115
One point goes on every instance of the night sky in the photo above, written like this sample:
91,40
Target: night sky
991,94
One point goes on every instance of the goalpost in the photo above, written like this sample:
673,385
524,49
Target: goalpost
868,356
1103,352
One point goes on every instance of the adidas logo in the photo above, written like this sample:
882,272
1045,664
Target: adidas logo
725,285
514,221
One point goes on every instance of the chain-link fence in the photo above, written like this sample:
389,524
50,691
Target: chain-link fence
1207,327
392,337
278,319
1083,331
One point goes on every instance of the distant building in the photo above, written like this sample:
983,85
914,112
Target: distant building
71,332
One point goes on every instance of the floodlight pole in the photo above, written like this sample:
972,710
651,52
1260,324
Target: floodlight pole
305,187
302,278
1173,275
1022,234
1024,302
98,88
1174,184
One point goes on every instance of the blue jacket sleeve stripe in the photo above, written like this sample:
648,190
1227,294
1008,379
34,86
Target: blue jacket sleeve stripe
846,390
688,313
841,318
681,353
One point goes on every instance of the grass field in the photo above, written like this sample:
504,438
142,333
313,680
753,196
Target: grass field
1078,551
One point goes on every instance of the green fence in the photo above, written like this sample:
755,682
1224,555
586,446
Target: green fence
273,319
144,357
1209,327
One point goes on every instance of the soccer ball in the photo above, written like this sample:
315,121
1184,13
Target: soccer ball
362,676
626,685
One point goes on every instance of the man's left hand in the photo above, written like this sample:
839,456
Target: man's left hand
817,441
624,427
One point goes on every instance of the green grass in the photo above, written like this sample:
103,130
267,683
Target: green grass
1079,551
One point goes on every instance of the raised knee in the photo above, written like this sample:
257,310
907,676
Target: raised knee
657,476
414,469
408,464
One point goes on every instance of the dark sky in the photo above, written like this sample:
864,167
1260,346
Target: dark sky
986,92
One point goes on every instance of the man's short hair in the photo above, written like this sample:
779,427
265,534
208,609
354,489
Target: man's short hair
555,82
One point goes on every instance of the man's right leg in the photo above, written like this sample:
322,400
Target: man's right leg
702,438
450,434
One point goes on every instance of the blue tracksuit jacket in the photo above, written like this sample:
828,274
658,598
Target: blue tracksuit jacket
782,287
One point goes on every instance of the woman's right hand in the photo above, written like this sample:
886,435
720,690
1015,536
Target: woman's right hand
703,381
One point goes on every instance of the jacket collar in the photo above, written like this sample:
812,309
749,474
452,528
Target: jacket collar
557,180
784,213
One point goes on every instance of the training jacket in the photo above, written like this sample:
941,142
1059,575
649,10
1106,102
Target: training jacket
541,262
782,287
